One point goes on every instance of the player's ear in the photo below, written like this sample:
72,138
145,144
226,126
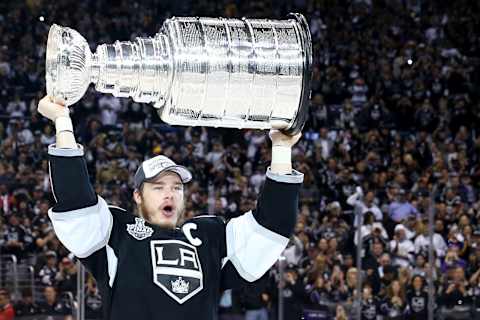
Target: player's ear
137,196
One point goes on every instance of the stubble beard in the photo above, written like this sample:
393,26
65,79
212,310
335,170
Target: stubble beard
148,214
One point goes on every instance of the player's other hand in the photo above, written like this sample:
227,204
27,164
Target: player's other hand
51,110
280,139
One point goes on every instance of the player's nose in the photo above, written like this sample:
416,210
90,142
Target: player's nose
168,194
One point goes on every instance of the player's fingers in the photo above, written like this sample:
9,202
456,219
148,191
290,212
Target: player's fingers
278,136
272,133
51,110
296,137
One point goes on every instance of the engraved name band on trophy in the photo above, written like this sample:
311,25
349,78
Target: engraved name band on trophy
237,73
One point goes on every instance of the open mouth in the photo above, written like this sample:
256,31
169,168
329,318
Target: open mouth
168,210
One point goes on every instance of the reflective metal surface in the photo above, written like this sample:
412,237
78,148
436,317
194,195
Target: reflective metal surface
248,73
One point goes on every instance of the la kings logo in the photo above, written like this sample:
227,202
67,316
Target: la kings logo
176,268
139,230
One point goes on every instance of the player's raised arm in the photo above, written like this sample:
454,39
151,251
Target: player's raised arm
81,220
256,239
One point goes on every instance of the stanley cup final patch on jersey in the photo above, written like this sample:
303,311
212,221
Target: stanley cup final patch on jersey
139,230
176,268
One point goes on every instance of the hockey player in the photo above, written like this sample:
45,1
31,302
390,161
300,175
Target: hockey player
146,265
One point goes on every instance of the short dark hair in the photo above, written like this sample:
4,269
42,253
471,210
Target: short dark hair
141,187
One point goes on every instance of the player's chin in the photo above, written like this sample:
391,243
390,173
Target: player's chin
166,220
166,225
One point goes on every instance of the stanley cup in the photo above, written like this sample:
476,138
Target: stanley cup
236,73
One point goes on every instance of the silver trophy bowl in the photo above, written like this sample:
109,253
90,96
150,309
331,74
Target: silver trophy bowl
235,73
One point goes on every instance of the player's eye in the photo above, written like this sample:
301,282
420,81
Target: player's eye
178,188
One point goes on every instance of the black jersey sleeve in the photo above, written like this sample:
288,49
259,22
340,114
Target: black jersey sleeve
98,265
103,263
81,219
69,179
277,203
256,239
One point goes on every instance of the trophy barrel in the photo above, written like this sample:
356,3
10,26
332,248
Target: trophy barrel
248,73
237,73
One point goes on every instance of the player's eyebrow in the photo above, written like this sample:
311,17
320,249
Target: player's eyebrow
163,183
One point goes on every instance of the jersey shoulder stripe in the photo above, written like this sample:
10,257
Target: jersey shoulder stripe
117,208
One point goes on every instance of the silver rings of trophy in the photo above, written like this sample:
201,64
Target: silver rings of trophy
216,72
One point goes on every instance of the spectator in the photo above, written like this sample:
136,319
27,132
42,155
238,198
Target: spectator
475,290
53,306
395,303
229,306
27,306
255,300
371,231
292,295
340,313
48,137
401,248
370,304
17,108
14,237
417,299
420,265
338,289
390,273
110,108
294,251
452,260
351,282
319,294
7,200
66,277
362,207
7,311
422,241
400,210
455,295
373,255
48,272
93,301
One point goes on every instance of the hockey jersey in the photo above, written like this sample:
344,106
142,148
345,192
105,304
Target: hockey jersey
147,272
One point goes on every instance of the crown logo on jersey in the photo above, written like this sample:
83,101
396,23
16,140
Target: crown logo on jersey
139,230
180,286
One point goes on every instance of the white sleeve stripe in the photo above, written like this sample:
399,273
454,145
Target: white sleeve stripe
224,262
244,273
65,152
100,244
51,182
69,215
112,262
83,231
115,207
252,248
259,229
205,216
294,177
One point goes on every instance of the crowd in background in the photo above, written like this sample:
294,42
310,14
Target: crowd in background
391,136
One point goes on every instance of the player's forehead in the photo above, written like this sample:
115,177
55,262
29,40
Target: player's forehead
168,177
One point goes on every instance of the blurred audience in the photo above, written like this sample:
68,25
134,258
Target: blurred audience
391,138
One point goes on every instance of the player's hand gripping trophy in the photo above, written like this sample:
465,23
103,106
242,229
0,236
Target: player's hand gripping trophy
237,73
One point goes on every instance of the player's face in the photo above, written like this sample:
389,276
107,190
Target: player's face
161,200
